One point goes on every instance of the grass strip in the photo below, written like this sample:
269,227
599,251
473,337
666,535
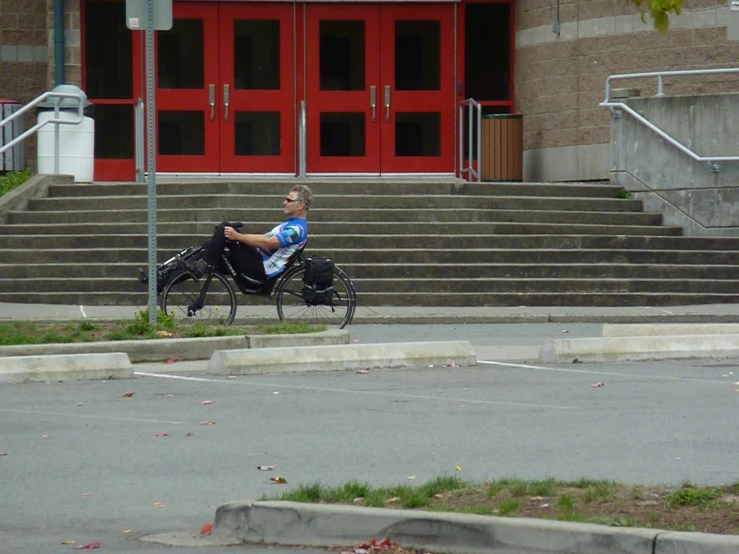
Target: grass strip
685,507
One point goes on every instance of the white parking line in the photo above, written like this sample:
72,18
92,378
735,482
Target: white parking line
608,373
89,416
349,391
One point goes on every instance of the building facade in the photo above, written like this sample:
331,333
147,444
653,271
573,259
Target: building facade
381,82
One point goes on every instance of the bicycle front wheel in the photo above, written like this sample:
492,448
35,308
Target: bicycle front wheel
182,300
291,306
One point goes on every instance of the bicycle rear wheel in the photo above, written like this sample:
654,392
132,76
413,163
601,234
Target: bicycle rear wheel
291,306
181,299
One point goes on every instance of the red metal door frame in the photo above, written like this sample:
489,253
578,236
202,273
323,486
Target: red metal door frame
319,101
281,100
433,101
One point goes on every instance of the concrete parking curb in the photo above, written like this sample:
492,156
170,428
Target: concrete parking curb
78,367
652,329
155,350
638,348
294,524
346,357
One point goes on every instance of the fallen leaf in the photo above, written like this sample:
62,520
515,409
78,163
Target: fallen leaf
363,371
565,331
454,364
127,531
411,478
79,404
461,405
164,333
207,422
67,542
231,377
276,392
3,453
358,500
162,435
161,505
172,361
597,385
207,529
677,458
267,468
85,494
206,402
438,496
128,395
393,500
90,546
44,436
459,468
278,480
188,435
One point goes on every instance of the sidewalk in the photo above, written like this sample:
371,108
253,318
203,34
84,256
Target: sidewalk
711,313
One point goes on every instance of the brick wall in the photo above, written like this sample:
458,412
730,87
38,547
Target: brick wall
561,80
27,52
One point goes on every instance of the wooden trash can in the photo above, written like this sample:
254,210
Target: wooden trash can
502,147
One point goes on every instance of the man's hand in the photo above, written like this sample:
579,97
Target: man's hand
232,234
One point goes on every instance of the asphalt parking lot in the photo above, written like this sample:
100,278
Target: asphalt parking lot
88,461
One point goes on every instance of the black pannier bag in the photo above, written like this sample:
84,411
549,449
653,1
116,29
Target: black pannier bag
318,280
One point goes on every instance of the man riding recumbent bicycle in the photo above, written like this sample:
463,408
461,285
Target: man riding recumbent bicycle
194,284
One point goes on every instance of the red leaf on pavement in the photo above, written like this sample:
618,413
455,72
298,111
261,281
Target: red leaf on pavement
385,542
597,385
206,402
172,361
207,528
162,434
363,371
128,395
90,546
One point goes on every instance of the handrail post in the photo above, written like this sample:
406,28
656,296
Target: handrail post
139,133
461,145
56,138
303,136
660,85
479,143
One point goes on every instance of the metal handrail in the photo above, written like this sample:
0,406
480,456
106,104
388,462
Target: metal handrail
472,104
302,138
140,143
713,161
59,95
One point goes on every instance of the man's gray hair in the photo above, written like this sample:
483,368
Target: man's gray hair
304,193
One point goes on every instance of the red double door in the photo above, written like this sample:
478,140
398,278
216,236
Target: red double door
377,81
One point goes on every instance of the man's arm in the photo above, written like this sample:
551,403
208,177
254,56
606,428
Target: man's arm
257,241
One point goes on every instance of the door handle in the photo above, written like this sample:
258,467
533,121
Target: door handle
212,94
373,100
387,102
226,99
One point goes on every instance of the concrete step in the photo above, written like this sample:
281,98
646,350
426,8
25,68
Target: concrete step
557,298
90,257
341,187
230,202
268,218
320,243
384,271
405,285
335,228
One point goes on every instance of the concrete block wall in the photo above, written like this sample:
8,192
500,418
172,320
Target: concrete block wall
687,192
560,78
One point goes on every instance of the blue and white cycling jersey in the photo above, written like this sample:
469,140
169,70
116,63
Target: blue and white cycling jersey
293,235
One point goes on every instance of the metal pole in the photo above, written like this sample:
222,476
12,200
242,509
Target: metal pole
140,151
151,137
479,143
303,138
660,85
461,146
56,136
470,108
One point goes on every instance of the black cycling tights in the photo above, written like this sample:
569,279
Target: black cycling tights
245,259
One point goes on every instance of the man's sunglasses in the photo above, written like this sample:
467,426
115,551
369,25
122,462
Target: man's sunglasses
288,199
